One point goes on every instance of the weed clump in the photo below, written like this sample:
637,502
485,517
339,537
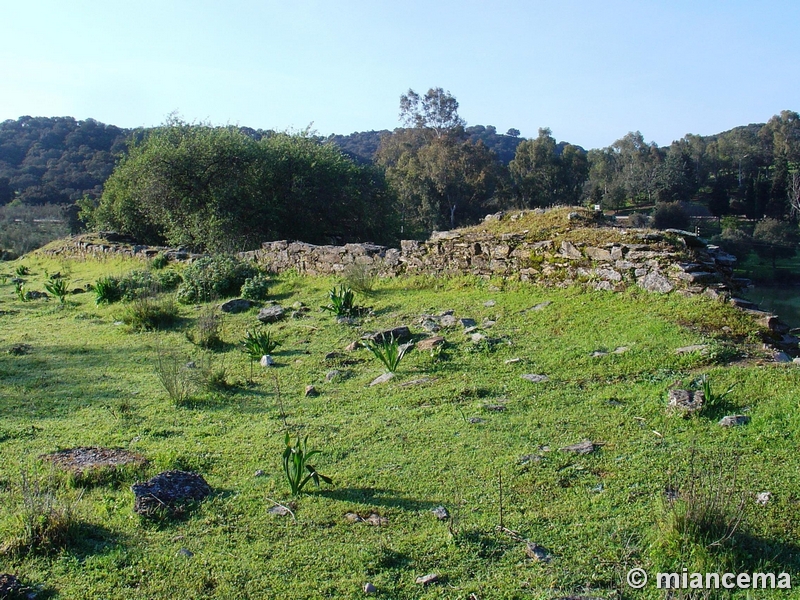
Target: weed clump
359,277
255,288
211,277
389,351
150,314
208,330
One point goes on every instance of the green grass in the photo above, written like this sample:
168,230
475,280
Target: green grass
394,449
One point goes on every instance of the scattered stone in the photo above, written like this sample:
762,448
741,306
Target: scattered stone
796,361
331,375
266,361
655,282
373,519
343,320
512,361
465,323
191,365
279,510
236,305
259,473
185,552
702,348
311,391
529,458
584,447
369,589
537,552
540,306
440,512
686,400
620,350
353,346
763,498
333,355
488,323
447,321
568,250
489,303
477,337
533,378
271,314
20,349
81,460
472,329
382,379
298,305
781,357
734,420
428,579
419,381
476,420
170,490
430,325
430,343
10,586
597,353
399,334
494,407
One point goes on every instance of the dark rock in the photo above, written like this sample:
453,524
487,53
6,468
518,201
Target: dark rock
430,343
173,491
333,374
311,391
537,552
186,552
400,334
10,586
734,420
584,447
440,512
271,314
465,323
369,589
236,305
686,400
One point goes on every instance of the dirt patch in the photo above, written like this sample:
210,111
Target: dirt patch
79,461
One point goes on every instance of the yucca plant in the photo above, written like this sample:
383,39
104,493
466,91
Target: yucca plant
19,290
256,344
713,398
58,287
388,351
107,290
295,465
343,302
22,270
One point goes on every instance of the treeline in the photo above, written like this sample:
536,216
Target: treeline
232,187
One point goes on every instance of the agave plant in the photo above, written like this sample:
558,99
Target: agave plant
295,465
256,344
388,351
58,287
342,302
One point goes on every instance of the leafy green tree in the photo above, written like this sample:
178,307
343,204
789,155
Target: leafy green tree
775,239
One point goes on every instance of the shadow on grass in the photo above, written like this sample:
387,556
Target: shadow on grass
383,497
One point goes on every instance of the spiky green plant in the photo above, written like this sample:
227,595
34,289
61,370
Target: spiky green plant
713,398
295,465
389,351
343,302
258,343
107,290
58,287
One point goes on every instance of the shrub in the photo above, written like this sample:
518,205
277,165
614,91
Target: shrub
159,261
57,287
22,270
148,314
359,277
214,277
107,290
670,215
388,351
255,288
47,520
295,465
168,280
343,303
174,376
138,284
258,343
208,330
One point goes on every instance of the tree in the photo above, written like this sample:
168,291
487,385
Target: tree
775,239
436,111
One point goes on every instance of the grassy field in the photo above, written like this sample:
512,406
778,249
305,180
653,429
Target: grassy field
474,437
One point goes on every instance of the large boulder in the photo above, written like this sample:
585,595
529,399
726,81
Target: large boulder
271,314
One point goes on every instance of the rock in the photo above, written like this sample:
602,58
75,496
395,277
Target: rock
311,391
695,348
399,334
271,314
185,552
369,589
692,240
447,321
173,491
419,381
686,400
763,498
598,353
512,361
298,305
20,349
620,350
430,325
535,378
655,282
236,306
599,254
382,379
259,473
488,323
537,552
430,343
477,337
10,586
353,346
734,420
781,357
334,355
466,323
428,579
333,374
82,460
494,407
568,250
279,510
584,447
440,512
266,361
343,320
489,303
476,420
540,306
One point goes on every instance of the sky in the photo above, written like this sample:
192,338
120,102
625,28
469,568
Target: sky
589,70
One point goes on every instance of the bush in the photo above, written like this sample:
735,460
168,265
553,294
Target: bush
174,376
159,261
255,288
148,314
107,290
359,277
670,215
208,330
212,277
168,280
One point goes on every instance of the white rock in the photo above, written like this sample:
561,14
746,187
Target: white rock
266,361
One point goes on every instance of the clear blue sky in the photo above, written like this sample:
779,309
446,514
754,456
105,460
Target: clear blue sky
591,70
